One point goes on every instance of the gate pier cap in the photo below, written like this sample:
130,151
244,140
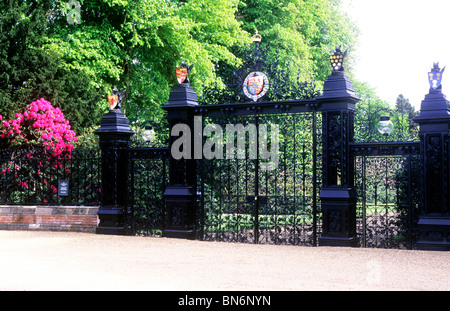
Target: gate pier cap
434,121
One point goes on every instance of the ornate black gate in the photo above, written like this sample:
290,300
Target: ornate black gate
387,182
148,177
260,200
371,194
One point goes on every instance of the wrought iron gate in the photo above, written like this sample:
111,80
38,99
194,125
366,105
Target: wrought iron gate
242,202
148,176
368,191
387,183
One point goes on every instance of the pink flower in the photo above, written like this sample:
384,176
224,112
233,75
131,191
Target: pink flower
47,124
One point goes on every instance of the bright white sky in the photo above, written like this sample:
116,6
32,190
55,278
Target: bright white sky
399,41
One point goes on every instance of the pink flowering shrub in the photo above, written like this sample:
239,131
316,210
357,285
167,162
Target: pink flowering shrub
40,126
37,145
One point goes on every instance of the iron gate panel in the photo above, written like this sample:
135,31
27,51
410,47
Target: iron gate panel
241,202
387,182
148,177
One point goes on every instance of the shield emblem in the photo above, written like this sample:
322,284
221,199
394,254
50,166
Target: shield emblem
337,62
435,79
255,84
112,100
181,75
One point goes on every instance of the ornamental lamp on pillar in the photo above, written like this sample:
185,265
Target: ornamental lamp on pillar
434,121
338,195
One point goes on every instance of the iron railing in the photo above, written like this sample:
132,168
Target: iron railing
30,177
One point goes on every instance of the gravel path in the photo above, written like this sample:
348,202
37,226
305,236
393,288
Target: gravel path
83,261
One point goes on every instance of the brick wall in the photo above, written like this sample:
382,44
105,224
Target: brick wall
52,218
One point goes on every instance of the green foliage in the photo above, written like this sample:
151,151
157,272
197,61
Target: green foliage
29,72
87,139
160,134
371,108
301,32
136,45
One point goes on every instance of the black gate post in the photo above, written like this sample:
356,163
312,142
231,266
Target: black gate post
434,121
338,195
114,139
181,193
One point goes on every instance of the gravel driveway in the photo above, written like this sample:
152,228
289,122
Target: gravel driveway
83,261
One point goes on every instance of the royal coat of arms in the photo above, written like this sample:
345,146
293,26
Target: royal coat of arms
256,85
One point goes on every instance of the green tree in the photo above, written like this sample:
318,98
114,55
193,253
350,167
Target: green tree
29,72
404,106
302,32
368,112
136,45
405,114
371,108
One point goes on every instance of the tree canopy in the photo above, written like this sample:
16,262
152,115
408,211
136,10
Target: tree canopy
137,44
29,72
371,107
302,32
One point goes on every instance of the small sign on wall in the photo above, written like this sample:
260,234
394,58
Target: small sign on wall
63,187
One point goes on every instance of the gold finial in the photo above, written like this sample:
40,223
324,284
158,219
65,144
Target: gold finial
256,37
